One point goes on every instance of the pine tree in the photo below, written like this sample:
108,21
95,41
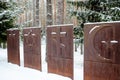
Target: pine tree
8,14
93,11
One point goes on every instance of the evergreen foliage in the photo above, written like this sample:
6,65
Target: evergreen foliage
9,12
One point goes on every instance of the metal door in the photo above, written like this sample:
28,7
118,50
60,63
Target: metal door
32,47
13,46
60,49
102,53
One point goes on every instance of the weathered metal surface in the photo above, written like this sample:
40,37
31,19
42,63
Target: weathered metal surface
102,53
60,50
32,47
13,46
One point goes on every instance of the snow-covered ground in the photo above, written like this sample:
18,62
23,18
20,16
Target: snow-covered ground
10,71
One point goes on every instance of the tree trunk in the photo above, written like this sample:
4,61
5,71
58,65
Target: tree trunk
49,13
36,13
81,48
0,45
4,45
59,12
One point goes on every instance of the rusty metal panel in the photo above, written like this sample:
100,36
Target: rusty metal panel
32,47
13,46
102,53
60,49
101,71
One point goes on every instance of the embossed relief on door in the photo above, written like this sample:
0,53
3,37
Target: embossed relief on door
103,43
32,48
60,50
106,42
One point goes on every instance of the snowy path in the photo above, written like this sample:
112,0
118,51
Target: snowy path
10,71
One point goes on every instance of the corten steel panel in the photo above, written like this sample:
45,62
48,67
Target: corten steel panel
13,46
60,49
102,53
32,47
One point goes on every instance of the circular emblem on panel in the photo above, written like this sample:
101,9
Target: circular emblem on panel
105,42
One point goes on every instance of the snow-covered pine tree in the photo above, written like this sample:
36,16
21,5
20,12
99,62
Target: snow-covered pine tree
92,11
9,12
